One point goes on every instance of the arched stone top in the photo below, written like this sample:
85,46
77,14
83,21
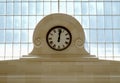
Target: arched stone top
58,19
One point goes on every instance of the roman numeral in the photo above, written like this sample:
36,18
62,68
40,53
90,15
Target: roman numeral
54,31
51,42
63,31
50,38
67,38
66,42
51,34
66,34
63,46
54,46
58,47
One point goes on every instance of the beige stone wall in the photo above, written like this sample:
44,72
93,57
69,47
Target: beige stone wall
23,71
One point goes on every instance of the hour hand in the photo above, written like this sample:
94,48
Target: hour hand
59,33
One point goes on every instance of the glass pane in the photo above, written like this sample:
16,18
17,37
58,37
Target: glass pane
63,7
116,7
100,8
108,35
78,18
109,51
32,22
87,35
8,0
24,49
92,7
16,51
116,21
92,22
9,51
9,8
85,21
101,51
30,47
107,7
17,8
77,8
2,22
2,36
17,22
9,36
117,52
85,7
54,8
17,36
2,8
24,36
93,37
9,22
32,8
46,8
30,36
87,47
3,0
2,51
24,8
93,49
39,18
100,21
70,8
24,22
101,36
116,35
17,0
108,22
39,8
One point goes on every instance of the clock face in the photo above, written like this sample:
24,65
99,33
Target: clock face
58,38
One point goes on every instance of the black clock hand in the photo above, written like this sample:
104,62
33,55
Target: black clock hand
59,35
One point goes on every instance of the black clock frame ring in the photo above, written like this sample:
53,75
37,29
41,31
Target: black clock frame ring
63,28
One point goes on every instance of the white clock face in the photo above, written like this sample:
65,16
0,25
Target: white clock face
58,38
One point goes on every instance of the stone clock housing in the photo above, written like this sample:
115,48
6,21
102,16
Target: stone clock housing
59,35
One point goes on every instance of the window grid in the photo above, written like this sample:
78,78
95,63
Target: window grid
17,26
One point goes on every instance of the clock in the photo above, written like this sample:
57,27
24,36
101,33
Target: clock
59,38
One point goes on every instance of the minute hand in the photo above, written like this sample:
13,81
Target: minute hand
59,35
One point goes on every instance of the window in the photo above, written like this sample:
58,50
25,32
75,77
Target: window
99,18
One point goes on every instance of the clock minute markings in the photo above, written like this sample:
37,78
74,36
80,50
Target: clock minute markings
51,34
66,34
50,38
66,42
54,31
54,46
58,47
67,38
63,30
51,42
63,46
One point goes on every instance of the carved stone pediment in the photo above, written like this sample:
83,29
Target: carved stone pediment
59,35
